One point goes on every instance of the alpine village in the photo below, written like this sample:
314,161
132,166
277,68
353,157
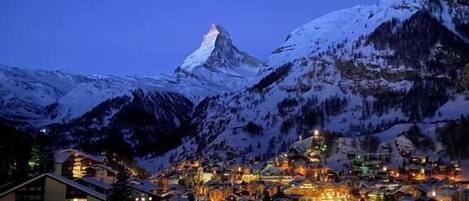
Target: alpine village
369,103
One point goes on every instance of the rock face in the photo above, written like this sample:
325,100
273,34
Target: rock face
366,70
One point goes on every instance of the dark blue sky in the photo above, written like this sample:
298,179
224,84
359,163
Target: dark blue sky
142,37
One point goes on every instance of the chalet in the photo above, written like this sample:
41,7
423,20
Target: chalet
409,191
141,193
72,163
101,172
320,191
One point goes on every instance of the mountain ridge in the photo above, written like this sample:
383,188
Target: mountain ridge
347,72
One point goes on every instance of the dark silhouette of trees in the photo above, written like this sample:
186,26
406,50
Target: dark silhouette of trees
454,136
420,141
253,129
23,155
120,189
370,143
276,75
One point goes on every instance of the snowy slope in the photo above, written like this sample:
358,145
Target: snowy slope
356,71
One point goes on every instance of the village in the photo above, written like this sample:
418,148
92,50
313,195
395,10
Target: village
292,175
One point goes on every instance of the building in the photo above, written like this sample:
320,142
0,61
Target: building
50,187
101,172
310,191
141,193
73,164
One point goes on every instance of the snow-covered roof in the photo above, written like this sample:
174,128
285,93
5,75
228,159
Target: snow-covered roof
63,155
63,180
146,185
96,182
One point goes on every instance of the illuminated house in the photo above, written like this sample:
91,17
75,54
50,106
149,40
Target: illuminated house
368,165
317,147
72,163
320,192
51,187
101,172
408,191
141,192
219,193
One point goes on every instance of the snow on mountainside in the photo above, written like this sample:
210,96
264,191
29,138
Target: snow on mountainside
39,97
149,122
357,71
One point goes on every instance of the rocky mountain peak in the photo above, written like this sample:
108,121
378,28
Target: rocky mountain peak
215,51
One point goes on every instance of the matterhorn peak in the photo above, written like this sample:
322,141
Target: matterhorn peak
217,50
218,30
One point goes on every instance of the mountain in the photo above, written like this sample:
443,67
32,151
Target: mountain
375,70
218,63
39,97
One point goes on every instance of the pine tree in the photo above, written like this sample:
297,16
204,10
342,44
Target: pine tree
120,189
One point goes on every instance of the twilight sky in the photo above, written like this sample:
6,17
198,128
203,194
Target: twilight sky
142,37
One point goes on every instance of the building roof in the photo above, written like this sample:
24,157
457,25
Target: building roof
95,182
61,179
63,155
142,189
147,185
95,166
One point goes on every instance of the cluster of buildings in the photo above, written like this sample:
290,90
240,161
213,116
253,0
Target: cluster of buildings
303,176
78,176
294,175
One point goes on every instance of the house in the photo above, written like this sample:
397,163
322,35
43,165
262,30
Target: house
142,193
51,187
407,191
72,163
320,191
143,190
101,172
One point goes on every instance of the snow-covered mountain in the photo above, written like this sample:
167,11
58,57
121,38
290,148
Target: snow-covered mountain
40,97
218,63
358,71
373,70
